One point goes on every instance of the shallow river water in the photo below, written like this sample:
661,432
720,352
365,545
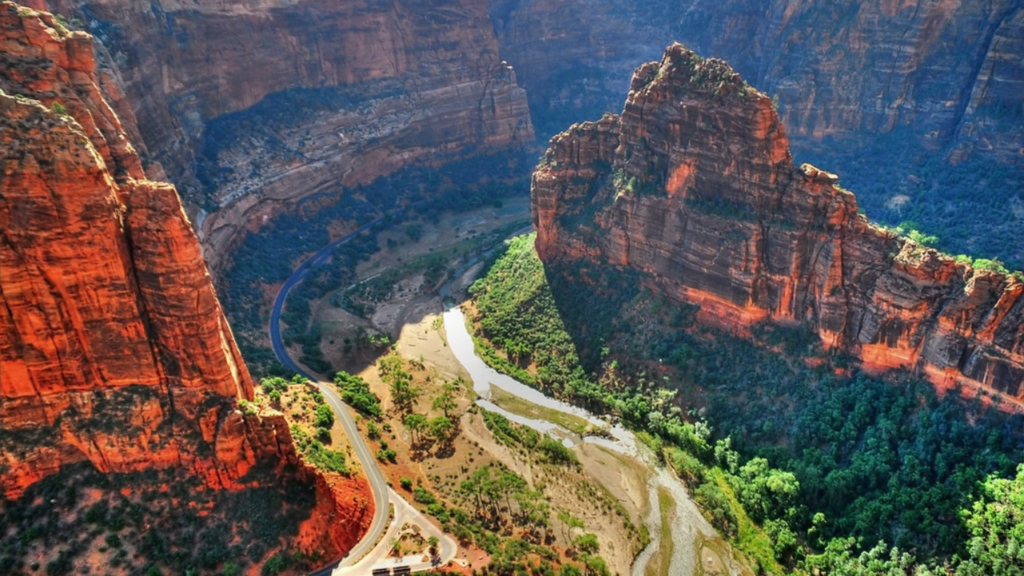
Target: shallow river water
689,526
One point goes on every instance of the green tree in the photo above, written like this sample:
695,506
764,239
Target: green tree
440,428
356,393
783,540
587,543
324,417
594,566
764,491
995,523
474,487
838,559
389,365
533,508
403,393
445,400
416,423
569,570
568,523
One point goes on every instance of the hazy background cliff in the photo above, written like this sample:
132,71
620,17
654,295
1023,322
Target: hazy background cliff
847,70
246,106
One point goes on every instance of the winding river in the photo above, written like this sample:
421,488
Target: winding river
689,527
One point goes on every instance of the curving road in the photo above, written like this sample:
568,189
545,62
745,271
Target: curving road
378,485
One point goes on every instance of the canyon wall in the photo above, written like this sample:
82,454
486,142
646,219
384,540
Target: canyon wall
113,346
932,89
694,185
951,71
250,106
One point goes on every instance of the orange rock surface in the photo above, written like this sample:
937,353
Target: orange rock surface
343,514
113,346
695,186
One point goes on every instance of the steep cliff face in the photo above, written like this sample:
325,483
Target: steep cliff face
356,90
694,185
948,70
113,346
930,88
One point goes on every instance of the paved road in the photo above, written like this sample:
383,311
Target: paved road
377,483
380,557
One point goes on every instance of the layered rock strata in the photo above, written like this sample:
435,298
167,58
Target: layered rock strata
113,346
360,89
949,72
694,185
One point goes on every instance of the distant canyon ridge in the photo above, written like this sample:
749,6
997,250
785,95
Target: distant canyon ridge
249,106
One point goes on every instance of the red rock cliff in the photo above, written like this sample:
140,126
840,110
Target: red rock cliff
405,82
694,185
113,346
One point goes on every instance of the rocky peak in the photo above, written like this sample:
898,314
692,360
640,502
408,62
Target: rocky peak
57,67
694,185
676,114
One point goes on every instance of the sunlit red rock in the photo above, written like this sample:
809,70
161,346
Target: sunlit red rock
694,185
113,346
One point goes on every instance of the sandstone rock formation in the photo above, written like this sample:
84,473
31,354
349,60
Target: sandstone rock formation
408,82
113,347
694,185
846,69
362,88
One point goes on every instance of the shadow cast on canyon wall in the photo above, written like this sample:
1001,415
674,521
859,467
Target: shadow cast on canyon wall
884,456
267,257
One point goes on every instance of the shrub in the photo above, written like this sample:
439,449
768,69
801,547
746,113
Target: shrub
716,507
324,416
326,459
423,496
556,452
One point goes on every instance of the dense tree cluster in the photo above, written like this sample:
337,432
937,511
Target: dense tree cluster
356,393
